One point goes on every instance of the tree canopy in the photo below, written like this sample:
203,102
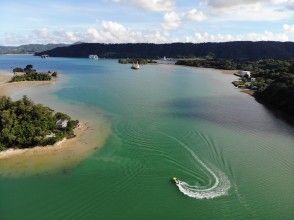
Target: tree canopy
31,74
25,124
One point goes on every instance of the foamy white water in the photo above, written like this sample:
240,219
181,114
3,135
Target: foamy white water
220,187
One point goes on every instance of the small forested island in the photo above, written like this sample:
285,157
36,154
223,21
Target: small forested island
270,80
30,74
140,61
24,124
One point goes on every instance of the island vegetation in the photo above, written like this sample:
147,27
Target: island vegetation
25,124
30,74
141,61
271,80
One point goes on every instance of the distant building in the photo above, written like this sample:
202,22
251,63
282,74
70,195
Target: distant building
62,123
93,57
243,73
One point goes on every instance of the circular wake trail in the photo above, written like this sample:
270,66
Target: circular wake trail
220,187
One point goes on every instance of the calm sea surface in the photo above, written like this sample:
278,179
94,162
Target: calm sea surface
233,157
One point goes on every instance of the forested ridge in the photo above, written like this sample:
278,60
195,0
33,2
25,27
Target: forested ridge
228,50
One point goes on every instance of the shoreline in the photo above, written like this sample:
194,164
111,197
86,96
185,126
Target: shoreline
78,131
63,154
7,88
227,72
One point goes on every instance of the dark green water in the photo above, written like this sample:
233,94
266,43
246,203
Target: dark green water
166,121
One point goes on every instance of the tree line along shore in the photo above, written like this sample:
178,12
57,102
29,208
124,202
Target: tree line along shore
271,80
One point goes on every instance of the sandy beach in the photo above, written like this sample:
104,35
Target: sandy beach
7,88
60,156
230,72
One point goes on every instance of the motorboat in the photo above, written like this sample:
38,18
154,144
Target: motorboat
135,66
175,180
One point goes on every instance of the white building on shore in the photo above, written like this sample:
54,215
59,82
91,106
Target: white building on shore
243,73
93,57
62,123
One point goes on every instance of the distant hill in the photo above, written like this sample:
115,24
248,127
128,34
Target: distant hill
29,48
227,50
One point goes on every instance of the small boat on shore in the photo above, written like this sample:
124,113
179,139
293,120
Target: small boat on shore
135,66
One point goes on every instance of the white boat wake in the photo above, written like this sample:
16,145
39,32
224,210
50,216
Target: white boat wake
220,187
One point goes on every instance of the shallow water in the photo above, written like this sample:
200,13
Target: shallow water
165,121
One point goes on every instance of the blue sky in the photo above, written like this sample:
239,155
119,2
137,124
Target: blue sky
158,21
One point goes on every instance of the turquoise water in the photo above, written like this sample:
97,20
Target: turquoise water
165,121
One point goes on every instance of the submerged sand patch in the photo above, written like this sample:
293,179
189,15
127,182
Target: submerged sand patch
61,156
6,88
90,135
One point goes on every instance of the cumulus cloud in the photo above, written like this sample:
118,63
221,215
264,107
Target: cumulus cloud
171,21
290,4
229,3
42,35
114,32
252,36
195,15
152,5
106,32
275,6
288,28
250,10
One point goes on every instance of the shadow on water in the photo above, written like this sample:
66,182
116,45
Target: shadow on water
289,119
230,111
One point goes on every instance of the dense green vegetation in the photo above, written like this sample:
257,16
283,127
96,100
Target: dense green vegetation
24,124
225,50
30,74
273,82
139,60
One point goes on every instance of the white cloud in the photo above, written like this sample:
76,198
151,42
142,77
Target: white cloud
230,3
288,28
43,35
253,36
152,5
171,21
114,32
106,32
249,10
290,4
195,15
